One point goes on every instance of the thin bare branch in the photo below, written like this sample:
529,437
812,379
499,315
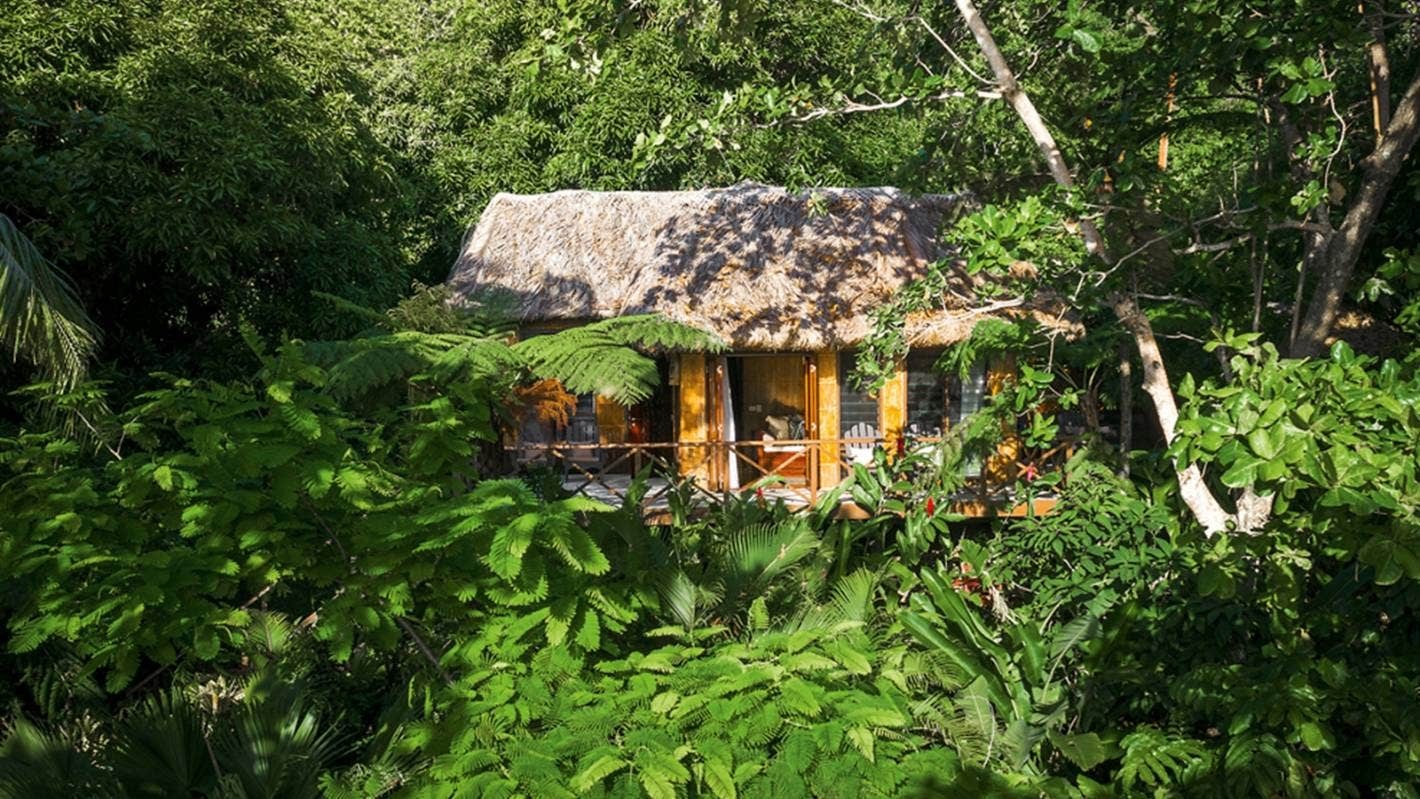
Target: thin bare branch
852,107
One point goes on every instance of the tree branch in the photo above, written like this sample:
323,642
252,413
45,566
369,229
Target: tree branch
1379,171
853,107
1192,488
1025,109
1379,63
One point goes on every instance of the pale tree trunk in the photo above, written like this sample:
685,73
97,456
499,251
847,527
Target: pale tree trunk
1155,380
1025,109
1126,408
1343,248
1379,63
1192,489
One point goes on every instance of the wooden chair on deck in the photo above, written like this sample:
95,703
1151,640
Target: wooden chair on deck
781,460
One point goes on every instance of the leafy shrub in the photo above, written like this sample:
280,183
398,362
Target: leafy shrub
808,713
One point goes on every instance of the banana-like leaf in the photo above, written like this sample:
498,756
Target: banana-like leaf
967,622
961,656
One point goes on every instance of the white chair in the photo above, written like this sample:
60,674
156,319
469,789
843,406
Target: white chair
860,452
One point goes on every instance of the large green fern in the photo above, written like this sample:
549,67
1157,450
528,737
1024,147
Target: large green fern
427,335
606,357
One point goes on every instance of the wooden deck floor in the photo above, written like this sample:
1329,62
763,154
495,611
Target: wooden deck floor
611,489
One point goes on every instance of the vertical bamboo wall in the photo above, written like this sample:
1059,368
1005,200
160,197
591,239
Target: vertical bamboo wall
693,426
1001,466
829,427
892,407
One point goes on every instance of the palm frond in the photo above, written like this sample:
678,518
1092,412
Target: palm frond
755,556
160,750
849,601
679,599
275,745
34,762
852,597
42,321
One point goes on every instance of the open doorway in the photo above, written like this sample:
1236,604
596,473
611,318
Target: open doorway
767,406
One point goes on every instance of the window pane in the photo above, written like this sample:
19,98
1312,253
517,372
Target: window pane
926,394
857,412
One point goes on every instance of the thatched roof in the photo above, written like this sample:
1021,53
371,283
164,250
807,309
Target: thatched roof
764,268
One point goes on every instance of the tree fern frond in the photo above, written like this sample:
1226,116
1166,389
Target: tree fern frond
602,357
354,309
270,633
656,333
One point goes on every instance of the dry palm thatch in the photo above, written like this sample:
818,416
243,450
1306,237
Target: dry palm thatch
762,267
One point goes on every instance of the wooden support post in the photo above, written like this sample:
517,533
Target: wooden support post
611,421
811,426
1002,465
829,426
693,424
892,407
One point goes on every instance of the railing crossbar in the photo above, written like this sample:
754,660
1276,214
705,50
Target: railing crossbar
668,460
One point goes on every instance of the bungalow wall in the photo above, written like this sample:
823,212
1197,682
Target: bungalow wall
838,411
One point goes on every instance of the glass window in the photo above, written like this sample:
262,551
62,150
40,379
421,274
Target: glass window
926,394
857,413
582,426
937,401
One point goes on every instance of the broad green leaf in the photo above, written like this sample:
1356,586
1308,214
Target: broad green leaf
1087,40
600,769
1085,750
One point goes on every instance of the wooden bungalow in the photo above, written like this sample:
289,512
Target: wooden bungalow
786,279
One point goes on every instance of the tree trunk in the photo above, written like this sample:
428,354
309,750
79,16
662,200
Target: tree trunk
1192,488
1344,248
1126,408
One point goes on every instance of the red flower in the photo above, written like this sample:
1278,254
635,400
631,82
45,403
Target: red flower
931,506
1030,472
759,494
971,587
901,446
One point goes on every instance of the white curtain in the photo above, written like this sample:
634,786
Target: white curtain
727,424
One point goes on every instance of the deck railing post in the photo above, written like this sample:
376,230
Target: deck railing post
813,471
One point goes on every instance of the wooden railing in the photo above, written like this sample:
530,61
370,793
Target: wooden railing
792,470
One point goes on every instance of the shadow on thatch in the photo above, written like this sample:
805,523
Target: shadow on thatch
764,268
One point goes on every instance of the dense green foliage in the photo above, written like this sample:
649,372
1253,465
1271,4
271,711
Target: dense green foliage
194,165
282,550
